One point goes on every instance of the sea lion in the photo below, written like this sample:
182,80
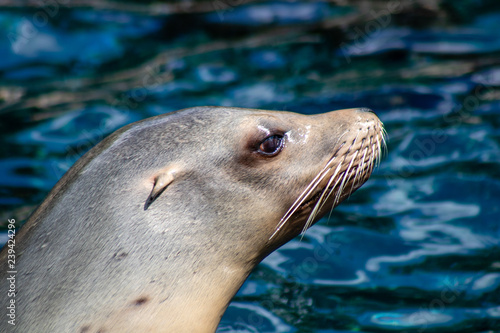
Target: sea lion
156,228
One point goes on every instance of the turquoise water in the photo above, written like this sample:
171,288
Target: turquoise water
416,249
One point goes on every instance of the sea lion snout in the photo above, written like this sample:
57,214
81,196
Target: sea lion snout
349,142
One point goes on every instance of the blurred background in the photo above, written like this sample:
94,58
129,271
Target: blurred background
417,249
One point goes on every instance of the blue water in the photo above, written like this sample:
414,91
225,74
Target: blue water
416,249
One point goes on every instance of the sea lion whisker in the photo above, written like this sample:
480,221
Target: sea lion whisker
346,174
381,142
360,166
379,149
382,145
312,185
300,200
372,163
309,189
373,147
365,162
322,200
359,170
319,204
384,139
329,194
353,158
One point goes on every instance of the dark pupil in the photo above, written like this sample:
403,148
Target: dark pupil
271,145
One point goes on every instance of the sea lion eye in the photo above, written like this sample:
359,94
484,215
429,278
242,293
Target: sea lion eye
271,145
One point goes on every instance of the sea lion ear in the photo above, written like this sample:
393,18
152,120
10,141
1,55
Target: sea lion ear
162,181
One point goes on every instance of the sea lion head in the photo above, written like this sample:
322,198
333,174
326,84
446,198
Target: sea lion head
279,172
